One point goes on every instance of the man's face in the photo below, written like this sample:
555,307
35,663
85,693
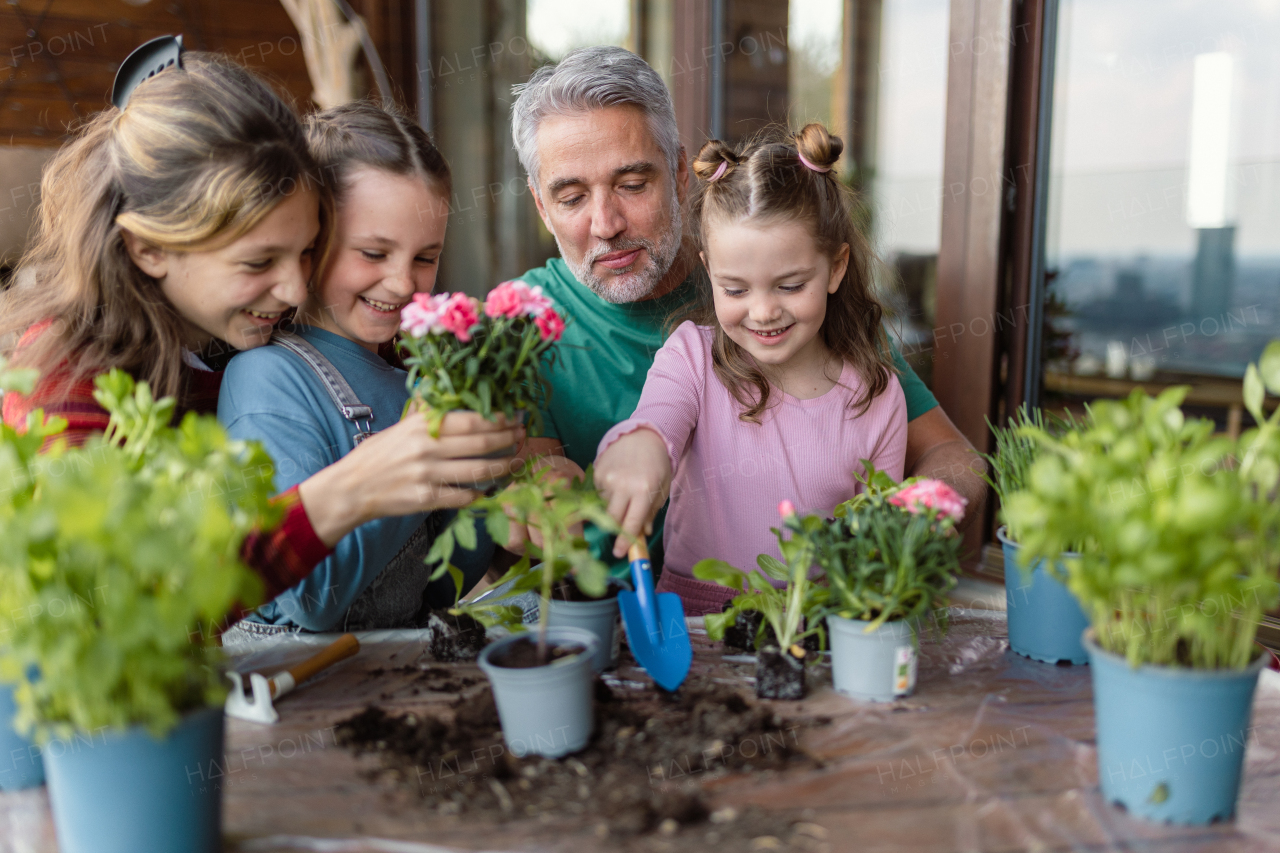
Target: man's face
608,198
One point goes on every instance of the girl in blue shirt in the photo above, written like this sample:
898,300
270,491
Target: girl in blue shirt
392,188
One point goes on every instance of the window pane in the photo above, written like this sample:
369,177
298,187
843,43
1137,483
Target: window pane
558,26
1163,236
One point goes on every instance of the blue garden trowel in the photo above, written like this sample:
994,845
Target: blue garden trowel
655,625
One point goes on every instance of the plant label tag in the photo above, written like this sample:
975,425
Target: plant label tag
904,670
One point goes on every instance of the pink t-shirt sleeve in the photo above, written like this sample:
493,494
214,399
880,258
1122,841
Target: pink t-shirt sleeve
671,400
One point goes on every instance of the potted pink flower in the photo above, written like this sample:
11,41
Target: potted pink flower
890,557
483,357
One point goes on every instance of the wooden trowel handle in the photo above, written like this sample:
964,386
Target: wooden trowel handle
340,649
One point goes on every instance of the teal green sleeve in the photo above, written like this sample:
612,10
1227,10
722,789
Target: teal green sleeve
919,398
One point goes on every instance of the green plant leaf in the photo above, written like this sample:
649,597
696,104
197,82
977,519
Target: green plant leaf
1269,367
773,567
1254,392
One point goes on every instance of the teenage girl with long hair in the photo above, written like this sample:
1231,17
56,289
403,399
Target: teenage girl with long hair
176,231
780,380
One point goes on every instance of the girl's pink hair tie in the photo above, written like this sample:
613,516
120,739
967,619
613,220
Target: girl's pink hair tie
805,160
719,173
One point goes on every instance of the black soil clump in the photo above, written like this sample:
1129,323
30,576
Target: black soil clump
642,771
455,637
523,654
746,627
779,674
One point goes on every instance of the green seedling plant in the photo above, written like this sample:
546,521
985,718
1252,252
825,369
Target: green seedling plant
118,557
893,555
1179,528
556,508
783,608
1015,453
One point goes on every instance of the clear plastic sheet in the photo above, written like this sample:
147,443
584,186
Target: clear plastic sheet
993,752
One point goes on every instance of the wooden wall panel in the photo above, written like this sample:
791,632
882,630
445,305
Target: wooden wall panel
969,262
65,70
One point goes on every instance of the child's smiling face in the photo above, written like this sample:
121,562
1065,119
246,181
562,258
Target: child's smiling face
386,247
770,284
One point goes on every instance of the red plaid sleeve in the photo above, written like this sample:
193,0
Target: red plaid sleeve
287,554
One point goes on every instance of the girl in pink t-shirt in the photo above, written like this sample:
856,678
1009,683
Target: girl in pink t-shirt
779,382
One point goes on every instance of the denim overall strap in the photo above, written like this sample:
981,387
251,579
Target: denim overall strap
341,393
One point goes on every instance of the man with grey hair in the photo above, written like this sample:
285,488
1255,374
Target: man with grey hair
597,135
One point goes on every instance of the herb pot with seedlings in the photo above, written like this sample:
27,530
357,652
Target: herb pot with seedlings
890,557
140,530
542,683
1179,535
780,667
1046,622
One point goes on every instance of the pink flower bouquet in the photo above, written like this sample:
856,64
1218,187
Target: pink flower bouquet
486,358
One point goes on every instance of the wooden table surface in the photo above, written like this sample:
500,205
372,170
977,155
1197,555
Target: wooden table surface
993,752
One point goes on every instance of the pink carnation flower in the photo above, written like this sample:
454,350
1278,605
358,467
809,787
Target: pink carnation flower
460,314
550,324
514,299
422,315
506,300
931,494
786,509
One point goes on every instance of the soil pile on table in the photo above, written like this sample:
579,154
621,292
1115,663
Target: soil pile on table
641,772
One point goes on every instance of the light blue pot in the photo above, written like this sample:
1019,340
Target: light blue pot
20,764
1171,740
123,791
1045,620
545,710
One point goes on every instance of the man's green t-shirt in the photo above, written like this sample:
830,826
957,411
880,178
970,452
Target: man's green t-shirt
603,358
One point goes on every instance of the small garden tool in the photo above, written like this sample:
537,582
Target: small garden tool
655,624
265,690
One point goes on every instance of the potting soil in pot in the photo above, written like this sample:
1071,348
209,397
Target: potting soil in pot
523,654
642,771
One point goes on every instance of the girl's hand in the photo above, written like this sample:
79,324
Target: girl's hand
634,477
403,470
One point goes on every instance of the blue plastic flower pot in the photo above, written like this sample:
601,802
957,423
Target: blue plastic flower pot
20,763
1171,740
124,791
1045,620
545,710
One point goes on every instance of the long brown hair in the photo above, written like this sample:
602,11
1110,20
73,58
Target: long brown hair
198,156
767,180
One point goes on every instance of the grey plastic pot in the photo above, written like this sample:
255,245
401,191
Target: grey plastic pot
545,710
879,666
600,617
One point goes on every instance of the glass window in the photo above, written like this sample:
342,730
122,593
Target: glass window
556,27
1162,244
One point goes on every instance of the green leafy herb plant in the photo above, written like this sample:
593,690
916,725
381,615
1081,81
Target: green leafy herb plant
1178,528
556,508
117,558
